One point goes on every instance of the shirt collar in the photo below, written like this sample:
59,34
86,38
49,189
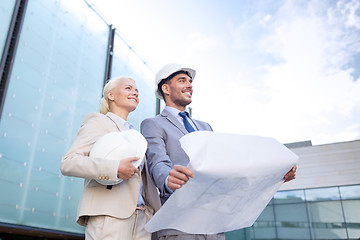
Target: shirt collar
172,111
117,117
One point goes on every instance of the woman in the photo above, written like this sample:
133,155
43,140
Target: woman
119,211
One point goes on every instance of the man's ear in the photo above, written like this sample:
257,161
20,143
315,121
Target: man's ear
165,89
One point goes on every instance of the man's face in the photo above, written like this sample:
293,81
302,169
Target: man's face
178,91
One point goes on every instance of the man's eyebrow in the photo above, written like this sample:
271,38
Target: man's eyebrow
183,77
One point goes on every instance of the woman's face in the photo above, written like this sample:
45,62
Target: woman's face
124,97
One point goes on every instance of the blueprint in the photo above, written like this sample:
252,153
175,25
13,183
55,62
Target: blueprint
235,177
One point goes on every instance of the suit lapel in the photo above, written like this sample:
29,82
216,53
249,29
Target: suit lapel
198,127
173,121
117,122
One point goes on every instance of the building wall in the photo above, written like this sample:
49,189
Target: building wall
56,79
323,202
327,165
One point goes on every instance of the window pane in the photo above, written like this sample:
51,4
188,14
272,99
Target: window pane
236,235
322,194
289,197
352,217
350,192
264,227
327,220
292,221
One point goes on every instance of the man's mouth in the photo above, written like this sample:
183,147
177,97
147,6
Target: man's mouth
189,93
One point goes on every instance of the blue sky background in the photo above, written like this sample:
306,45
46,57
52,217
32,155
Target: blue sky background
283,69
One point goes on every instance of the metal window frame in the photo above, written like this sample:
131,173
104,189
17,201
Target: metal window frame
11,44
110,52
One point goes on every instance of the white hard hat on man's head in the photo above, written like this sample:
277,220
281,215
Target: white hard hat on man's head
166,71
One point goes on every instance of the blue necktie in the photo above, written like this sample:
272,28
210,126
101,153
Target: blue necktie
187,125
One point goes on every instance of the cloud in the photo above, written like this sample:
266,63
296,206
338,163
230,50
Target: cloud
297,82
314,79
199,42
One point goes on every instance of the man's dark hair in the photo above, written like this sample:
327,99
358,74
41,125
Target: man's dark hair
162,82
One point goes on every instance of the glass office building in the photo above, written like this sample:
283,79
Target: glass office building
55,57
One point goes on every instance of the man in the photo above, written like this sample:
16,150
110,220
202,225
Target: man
166,158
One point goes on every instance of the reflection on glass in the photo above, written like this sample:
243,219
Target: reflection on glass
292,221
127,63
350,192
352,217
291,217
322,194
295,196
56,80
327,220
6,11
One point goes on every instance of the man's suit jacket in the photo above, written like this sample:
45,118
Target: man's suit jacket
164,150
121,200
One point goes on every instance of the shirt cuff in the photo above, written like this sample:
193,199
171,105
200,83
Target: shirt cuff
166,186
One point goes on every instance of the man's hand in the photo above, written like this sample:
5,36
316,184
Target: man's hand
178,176
290,175
126,169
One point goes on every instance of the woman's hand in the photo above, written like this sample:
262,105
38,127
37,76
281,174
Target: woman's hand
126,169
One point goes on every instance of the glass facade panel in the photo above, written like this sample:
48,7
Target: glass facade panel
352,217
56,80
6,12
296,196
322,194
350,192
264,227
135,68
320,213
327,220
292,221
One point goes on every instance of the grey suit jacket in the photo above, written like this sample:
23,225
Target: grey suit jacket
164,150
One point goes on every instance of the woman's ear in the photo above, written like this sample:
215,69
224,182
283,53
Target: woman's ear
110,96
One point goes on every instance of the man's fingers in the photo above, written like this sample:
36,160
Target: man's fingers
178,175
174,186
183,170
175,180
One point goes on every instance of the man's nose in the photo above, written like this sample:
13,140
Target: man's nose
189,83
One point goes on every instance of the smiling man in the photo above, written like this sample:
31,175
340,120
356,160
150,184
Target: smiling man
167,160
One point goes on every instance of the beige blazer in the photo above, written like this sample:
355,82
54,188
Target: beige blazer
120,201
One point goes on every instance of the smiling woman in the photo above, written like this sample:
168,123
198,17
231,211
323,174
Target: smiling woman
118,202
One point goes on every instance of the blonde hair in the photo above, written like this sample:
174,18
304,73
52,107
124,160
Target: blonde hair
110,85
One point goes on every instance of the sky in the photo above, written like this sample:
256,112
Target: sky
289,70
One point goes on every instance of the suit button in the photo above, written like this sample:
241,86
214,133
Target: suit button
107,177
